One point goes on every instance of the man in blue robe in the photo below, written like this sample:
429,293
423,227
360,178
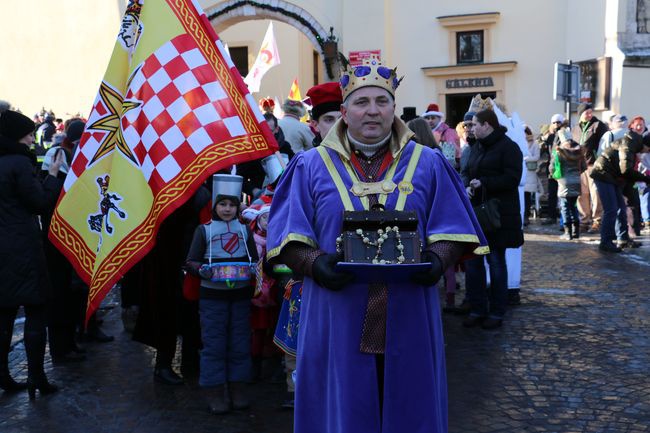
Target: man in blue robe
370,356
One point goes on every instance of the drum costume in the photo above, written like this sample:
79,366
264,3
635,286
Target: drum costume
223,254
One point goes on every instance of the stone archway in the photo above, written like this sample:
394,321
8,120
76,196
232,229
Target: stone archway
231,12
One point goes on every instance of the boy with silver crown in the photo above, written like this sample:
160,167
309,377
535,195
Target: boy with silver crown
370,355
223,253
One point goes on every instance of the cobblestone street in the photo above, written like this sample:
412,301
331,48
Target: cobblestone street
573,357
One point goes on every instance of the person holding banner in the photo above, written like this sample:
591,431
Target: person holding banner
23,269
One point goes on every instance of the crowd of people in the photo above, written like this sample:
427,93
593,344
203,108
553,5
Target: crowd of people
229,267
596,173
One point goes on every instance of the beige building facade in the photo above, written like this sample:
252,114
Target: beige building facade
447,50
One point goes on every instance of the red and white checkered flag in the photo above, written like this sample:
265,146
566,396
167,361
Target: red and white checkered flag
178,113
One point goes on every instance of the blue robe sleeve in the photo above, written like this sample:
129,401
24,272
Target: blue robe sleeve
451,217
292,209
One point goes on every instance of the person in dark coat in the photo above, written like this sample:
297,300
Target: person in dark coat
156,283
547,140
44,134
253,171
613,168
23,270
66,303
587,133
493,170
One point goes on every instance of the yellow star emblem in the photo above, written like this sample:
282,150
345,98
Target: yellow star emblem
110,123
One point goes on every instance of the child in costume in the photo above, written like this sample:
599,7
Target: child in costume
326,100
273,168
223,254
286,333
265,304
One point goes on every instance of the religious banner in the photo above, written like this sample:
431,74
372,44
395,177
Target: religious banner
171,110
268,57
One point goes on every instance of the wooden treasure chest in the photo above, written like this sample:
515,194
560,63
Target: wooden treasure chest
380,237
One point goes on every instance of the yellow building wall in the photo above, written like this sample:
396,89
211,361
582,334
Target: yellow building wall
55,53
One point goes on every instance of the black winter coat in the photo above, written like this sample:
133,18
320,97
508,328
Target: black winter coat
23,272
497,162
588,137
616,164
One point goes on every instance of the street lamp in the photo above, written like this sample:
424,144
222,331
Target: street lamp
331,55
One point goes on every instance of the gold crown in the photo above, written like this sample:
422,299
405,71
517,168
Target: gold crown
134,8
370,73
479,104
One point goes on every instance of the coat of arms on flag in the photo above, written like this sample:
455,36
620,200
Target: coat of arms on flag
171,110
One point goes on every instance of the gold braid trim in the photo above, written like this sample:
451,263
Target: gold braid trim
472,239
452,237
194,28
72,241
291,237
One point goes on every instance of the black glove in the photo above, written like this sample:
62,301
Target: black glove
431,275
205,272
324,273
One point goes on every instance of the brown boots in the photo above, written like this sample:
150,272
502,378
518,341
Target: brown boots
218,404
238,395
216,399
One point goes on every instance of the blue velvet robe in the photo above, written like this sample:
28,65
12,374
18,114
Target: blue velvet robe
336,385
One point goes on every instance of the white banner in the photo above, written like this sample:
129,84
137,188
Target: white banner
268,57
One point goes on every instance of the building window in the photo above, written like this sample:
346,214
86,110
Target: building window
239,56
469,47
315,61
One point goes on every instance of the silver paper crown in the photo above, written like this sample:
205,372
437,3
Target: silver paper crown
226,184
273,167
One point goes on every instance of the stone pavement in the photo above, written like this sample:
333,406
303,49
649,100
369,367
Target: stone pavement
573,357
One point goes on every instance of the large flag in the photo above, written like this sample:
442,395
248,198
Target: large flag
171,110
268,57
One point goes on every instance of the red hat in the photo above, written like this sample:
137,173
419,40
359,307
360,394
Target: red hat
325,97
433,110
267,105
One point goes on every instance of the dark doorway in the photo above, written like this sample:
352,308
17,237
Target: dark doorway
239,56
458,104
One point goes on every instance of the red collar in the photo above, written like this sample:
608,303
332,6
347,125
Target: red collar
388,158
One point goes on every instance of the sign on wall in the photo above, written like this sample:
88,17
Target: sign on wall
463,83
356,57
595,82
